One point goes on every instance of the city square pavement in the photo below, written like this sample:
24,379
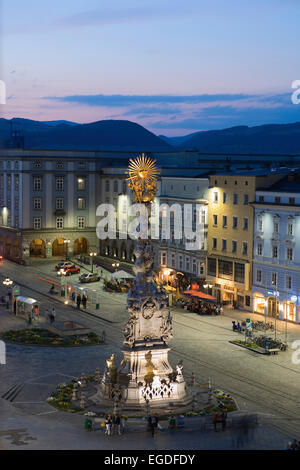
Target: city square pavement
268,385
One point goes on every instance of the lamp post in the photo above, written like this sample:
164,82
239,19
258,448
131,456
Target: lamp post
67,246
92,254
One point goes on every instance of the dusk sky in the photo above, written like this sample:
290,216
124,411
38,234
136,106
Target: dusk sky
173,66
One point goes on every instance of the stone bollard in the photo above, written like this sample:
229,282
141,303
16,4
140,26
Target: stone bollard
97,375
74,392
82,400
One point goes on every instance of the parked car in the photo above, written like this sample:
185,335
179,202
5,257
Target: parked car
89,277
68,270
62,265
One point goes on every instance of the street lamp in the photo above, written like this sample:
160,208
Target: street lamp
92,254
115,266
7,282
67,245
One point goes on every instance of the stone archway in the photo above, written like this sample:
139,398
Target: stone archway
16,248
8,246
59,248
80,246
37,248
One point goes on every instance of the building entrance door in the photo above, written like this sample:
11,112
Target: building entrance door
273,307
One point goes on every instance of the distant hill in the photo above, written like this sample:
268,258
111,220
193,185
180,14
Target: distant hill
269,138
100,135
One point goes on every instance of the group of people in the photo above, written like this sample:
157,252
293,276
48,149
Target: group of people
51,315
79,299
293,445
198,306
114,424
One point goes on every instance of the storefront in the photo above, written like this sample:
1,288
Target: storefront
259,303
273,307
289,310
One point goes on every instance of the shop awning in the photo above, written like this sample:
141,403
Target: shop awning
200,295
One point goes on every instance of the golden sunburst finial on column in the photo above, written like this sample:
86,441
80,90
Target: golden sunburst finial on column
143,174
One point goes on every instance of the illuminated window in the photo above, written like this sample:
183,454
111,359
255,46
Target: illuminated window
81,183
81,203
81,222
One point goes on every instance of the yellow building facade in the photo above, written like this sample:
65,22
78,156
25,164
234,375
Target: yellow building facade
230,236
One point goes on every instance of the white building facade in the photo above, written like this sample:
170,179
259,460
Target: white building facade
276,254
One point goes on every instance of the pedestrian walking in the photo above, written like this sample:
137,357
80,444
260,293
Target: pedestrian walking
108,424
78,300
116,424
153,422
53,315
223,420
73,296
84,301
172,422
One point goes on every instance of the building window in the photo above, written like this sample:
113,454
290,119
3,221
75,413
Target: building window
163,259
37,223
115,186
274,252
261,198
258,275
245,248
225,198
225,269
246,199
277,200
106,185
216,196
59,203
81,203
215,219
59,164
59,183
239,272
187,264
292,200
274,279
289,254
224,244
81,183
173,260
260,224
59,222
81,164
212,266
214,243
259,249
81,222
37,164
275,226
17,202
234,222
180,262
234,246
246,183
8,165
288,282
8,181
37,184
224,220
37,203
16,182
245,223
235,199
290,228
124,187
